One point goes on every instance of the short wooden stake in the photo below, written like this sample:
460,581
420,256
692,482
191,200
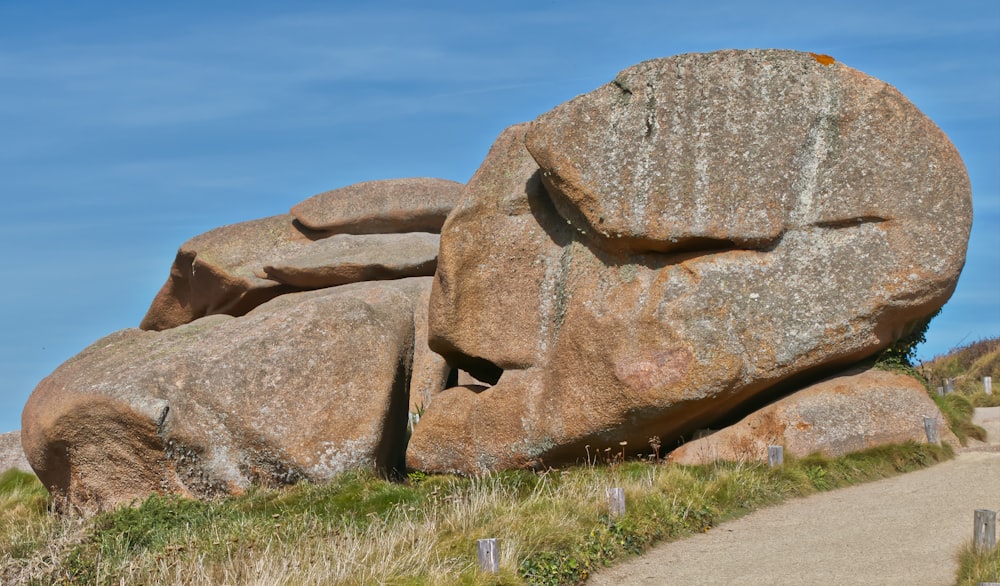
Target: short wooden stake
984,536
988,384
949,386
489,555
616,502
931,429
775,456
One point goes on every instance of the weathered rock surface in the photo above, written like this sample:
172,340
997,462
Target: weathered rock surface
218,272
232,269
346,258
430,372
705,231
11,454
381,207
304,386
853,411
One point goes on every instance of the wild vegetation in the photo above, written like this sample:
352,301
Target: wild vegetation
978,567
967,365
552,526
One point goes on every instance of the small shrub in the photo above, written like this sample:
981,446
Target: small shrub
903,352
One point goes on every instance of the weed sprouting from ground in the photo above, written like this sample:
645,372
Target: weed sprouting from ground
976,567
553,527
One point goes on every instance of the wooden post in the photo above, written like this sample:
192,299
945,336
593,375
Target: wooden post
984,532
931,429
489,555
949,386
775,456
988,384
616,502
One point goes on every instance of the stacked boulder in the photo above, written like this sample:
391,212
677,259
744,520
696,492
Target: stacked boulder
702,236
370,231
696,238
279,349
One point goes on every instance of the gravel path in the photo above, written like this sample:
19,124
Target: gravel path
902,530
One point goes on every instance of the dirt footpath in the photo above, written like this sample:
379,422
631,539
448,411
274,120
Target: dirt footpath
902,530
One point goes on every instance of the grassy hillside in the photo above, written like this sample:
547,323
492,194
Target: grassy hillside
967,365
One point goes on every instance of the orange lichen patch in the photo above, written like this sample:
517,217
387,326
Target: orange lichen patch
823,59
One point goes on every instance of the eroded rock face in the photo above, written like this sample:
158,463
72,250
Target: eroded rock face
218,272
302,387
369,231
11,454
853,411
381,207
346,258
704,231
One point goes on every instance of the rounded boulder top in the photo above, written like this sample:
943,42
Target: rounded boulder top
739,146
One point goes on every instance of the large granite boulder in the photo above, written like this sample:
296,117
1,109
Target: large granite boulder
849,412
704,233
302,387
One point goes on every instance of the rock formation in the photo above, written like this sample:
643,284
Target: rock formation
701,236
852,411
235,268
306,385
381,207
11,454
273,353
705,232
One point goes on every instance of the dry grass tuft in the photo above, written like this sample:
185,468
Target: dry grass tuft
976,567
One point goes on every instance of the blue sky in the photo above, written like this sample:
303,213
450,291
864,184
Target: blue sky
129,127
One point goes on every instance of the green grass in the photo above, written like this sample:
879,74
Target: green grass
552,527
981,399
23,517
967,365
958,409
976,567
